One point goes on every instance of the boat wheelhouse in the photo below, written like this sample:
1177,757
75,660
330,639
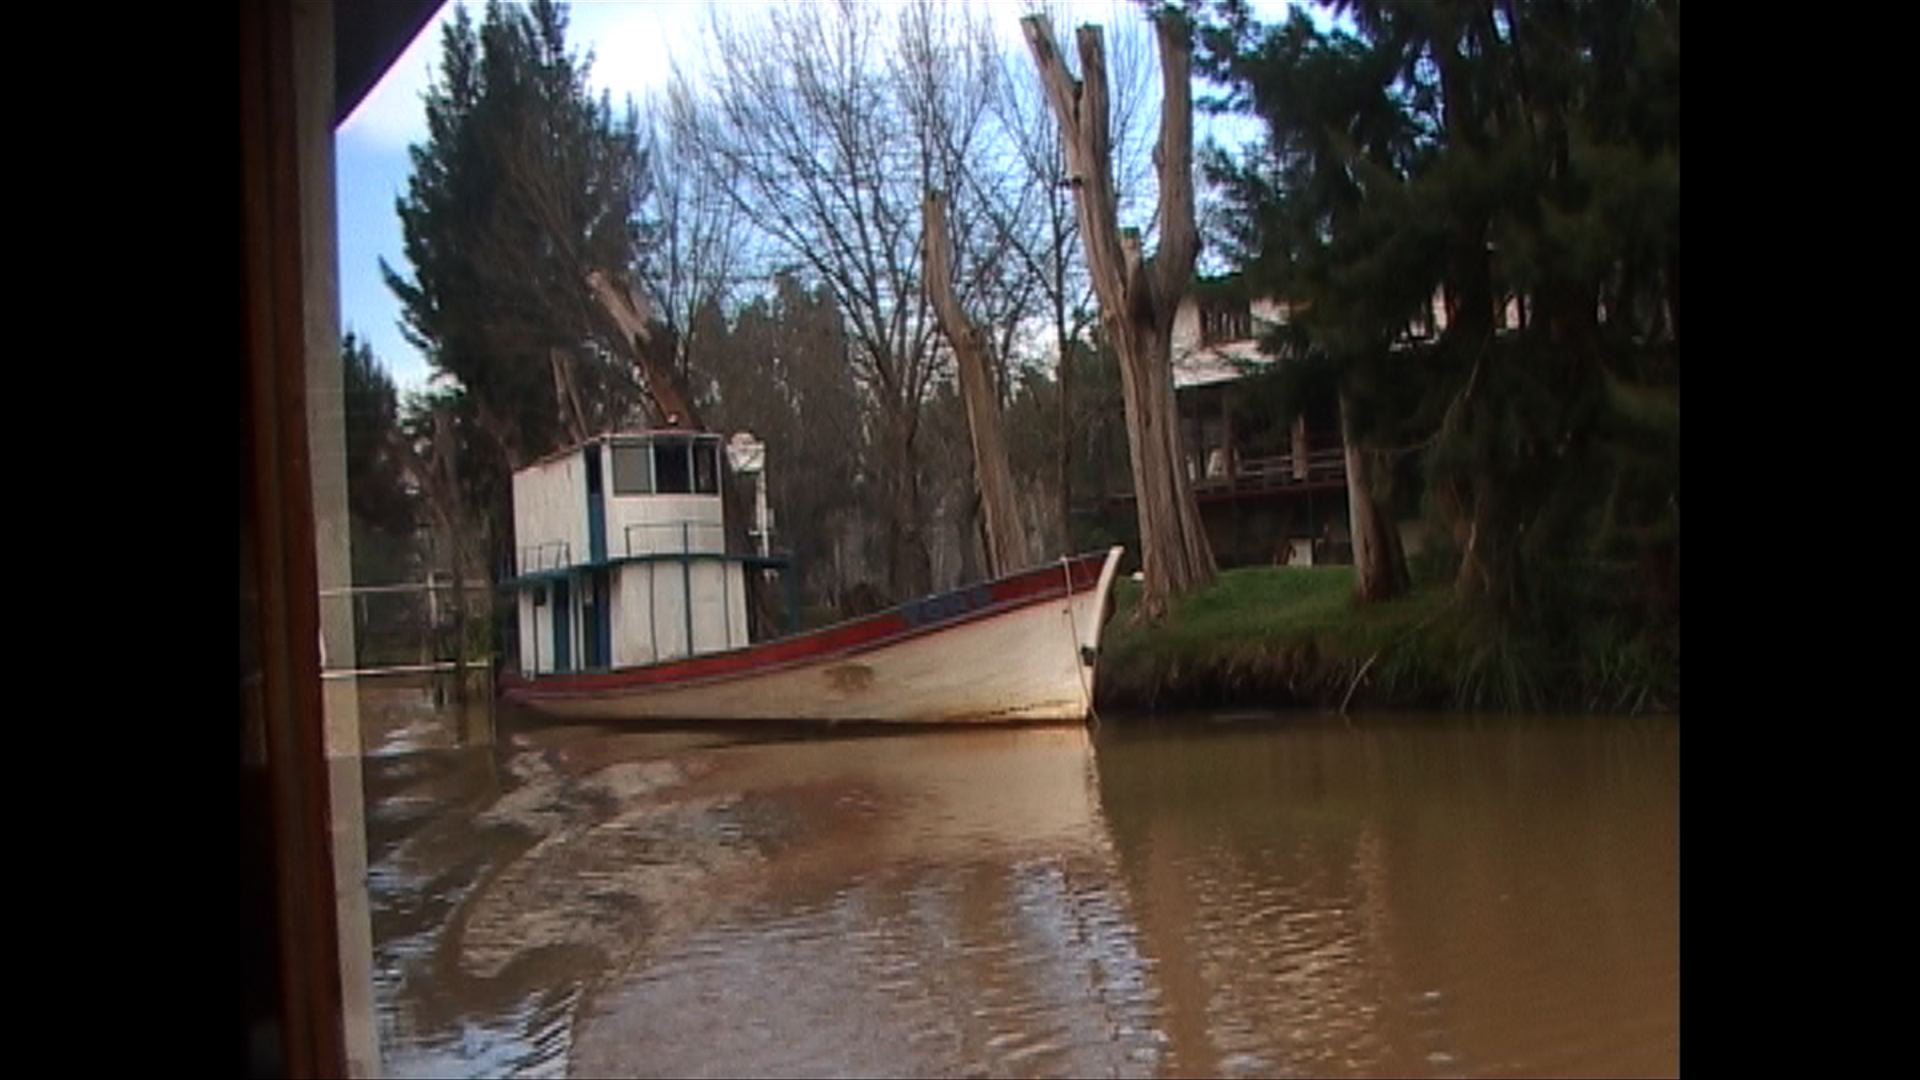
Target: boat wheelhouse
621,555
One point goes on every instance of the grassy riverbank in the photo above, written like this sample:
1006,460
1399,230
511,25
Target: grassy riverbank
1292,637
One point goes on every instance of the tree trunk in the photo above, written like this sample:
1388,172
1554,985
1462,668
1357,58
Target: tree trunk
1138,301
1006,538
628,311
909,566
971,534
1483,572
572,417
1379,567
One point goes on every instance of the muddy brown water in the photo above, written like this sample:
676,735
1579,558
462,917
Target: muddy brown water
1203,896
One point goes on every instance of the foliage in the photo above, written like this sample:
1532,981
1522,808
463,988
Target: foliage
380,507
779,369
525,184
1475,205
1292,636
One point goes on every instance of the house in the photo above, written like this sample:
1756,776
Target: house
1268,492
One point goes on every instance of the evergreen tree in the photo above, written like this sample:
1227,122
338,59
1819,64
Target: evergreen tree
525,185
1518,161
381,509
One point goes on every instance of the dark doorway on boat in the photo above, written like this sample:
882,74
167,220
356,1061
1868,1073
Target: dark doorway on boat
562,625
597,620
596,508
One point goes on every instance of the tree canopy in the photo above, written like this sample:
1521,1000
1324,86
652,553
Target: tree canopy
526,183
1474,207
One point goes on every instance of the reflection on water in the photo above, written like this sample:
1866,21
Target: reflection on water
1151,900
1403,900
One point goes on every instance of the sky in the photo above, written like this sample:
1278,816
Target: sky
634,43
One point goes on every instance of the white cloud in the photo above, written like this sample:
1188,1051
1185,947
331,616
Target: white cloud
635,44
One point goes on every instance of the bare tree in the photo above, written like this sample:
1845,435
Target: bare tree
799,111
1138,297
1040,231
947,67
628,310
829,125
950,69
701,241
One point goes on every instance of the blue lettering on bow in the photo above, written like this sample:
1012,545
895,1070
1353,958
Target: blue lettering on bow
947,606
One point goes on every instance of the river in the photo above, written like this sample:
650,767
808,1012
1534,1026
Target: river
1225,895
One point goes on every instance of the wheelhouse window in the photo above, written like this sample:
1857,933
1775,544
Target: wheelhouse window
672,471
632,468
706,467
666,465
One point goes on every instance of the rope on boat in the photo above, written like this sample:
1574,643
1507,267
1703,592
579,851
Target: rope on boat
1079,663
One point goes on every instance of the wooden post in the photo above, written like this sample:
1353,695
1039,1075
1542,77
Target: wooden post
1226,438
460,647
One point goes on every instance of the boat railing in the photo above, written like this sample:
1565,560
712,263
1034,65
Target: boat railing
674,538
551,555
638,539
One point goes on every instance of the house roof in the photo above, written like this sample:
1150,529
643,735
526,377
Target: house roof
1206,367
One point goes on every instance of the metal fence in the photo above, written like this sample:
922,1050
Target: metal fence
436,625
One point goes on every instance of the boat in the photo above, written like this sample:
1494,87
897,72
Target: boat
623,564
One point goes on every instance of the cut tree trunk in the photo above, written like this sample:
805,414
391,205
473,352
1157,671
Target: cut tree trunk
1006,538
628,310
1138,299
572,417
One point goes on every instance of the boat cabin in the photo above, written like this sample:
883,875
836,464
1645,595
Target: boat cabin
621,554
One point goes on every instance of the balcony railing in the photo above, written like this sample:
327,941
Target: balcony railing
1270,473
1250,476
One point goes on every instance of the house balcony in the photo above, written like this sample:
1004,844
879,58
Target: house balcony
1228,477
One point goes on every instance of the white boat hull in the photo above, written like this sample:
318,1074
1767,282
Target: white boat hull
1026,658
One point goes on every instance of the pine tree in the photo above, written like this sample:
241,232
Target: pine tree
1507,158
526,183
380,507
